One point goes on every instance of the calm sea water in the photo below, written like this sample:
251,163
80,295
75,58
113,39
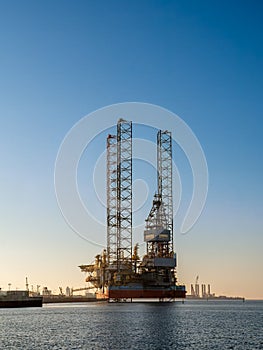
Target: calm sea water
193,325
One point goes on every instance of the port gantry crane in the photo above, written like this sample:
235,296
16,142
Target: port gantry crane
117,273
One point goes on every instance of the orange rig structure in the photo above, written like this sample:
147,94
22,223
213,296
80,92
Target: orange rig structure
118,273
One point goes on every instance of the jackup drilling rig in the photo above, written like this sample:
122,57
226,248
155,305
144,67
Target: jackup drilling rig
119,273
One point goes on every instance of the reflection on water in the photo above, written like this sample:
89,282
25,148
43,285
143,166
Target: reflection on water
193,325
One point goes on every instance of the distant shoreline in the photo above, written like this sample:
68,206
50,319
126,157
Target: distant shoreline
189,297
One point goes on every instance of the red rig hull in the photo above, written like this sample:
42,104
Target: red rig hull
138,291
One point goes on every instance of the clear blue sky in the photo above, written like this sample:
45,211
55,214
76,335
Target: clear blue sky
60,60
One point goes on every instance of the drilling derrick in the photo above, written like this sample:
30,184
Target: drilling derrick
157,235
160,261
159,224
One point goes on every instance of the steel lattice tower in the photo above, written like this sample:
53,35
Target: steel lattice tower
124,194
164,167
111,200
119,197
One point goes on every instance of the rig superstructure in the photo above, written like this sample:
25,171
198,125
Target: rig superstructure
119,273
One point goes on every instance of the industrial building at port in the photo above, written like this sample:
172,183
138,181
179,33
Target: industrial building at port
205,291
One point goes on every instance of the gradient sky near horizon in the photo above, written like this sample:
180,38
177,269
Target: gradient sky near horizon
61,60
